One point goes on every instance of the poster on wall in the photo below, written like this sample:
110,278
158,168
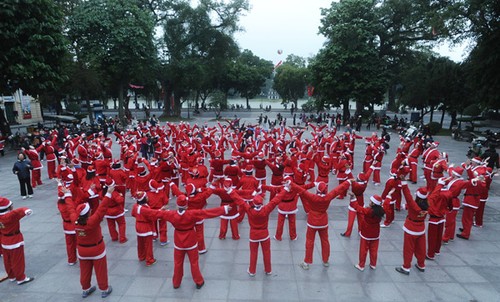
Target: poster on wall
26,107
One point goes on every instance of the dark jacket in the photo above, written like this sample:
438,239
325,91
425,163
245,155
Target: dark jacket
22,167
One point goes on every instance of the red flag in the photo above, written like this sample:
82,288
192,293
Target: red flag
310,90
135,86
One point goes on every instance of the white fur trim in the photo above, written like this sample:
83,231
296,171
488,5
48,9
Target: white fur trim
85,210
420,195
377,202
91,258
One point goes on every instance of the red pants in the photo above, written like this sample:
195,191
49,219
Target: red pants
120,221
51,169
199,228
389,213
292,230
480,214
145,249
242,212
179,266
450,225
101,273
434,238
13,261
325,244
351,216
266,253
36,178
71,247
376,175
427,175
364,247
398,202
413,245
467,217
366,165
161,230
234,228
413,169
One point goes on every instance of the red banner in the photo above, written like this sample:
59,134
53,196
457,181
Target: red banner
135,86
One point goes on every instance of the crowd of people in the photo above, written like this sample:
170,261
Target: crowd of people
192,162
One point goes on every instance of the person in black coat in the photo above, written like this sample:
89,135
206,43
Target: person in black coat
22,169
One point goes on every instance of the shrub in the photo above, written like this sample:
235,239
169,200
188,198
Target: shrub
434,127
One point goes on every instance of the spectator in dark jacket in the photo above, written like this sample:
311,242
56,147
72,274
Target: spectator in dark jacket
22,169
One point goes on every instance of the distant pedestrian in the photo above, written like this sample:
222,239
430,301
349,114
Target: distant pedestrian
22,169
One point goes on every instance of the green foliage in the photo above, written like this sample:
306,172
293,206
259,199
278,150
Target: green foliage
434,127
73,107
32,46
218,100
290,80
472,110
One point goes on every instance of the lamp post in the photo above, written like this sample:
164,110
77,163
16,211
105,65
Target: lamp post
188,107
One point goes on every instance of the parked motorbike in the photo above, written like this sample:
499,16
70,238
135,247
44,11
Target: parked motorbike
475,150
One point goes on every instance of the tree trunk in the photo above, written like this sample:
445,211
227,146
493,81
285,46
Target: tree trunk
177,106
114,103
121,106
346,112
442,117
90,112
432,114
391,98
248,102
295,103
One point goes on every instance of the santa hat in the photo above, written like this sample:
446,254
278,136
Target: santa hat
248,169
153,185
164,155
75,161
260,155
477,160
200,160
141,169
217,154
153,160
182,201
109,182
140,196
302,167
83,209
4,203
99,155
321,187
60,194
287,180
422,192
90,169
376,199
190,189
193,171
258,200
393,172
227,183
403,171
325,158
116,164
456,171
69,178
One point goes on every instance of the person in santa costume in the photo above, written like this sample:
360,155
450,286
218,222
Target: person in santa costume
115,215
316,207
414,229
34,157
156,200
49,150
369,231
430,156
258,218
483,197
185,240
392,184
439,203
145,230
454,186
358,187
12,241
91,250
66,208
471,203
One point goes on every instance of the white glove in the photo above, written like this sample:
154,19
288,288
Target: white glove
28,212
441,181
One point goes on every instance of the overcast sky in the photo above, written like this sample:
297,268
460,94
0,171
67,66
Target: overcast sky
292,26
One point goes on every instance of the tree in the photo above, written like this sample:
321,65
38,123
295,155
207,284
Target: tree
198,42
349,66
32,46
291,79
249,73
115,36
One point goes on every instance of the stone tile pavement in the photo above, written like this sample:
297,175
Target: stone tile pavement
465,270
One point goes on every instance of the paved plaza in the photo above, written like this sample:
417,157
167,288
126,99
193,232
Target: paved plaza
465,270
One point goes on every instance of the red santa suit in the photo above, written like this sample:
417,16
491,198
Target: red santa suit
377,164
430,156
12,240
49,150
413,163
358,188
66,207
316,207
260,168
258,219
470,204
185,240
156,200
115,215
119,176
287,209
91,250
369,232
144,229
367,162
438,168
439,202
414,230
454,187
36,174
392,183
483,198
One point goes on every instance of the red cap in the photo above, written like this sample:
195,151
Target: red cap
75,161
190,189
258,200
376,199
109,182
362,177
182,201
228,183
141,169
321,187
90,169
83,208
4,203
422,192
456,171
140,196
217,154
